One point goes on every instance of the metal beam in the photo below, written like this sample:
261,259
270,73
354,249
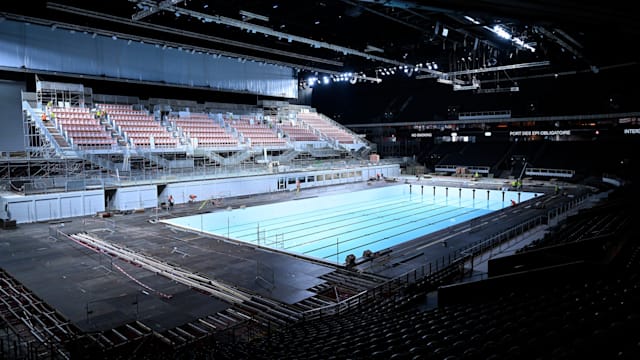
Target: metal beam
558,41
381,14
270,32
152,8
568,37
413,12
498,120
469,34
250,16
408,5
216,39
498,68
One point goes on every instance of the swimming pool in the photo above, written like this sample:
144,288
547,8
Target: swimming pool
331,227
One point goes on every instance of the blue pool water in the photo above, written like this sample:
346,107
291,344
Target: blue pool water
331,227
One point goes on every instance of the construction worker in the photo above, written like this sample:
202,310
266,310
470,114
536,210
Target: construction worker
170,199
43,117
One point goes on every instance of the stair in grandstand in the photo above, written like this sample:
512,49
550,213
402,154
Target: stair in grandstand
114,134
159,161
39,327
234,159
339,285
286,156
325,152
363,152
55,134
102,162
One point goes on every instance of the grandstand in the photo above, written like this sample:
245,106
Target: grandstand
190,180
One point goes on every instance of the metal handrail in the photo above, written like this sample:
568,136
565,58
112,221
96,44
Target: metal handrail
43,129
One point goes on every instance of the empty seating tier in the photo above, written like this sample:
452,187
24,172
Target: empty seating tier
202,131
328,128
138,127
254,133
298,132
82,129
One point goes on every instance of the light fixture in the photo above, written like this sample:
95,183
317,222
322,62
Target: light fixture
470,19
498,30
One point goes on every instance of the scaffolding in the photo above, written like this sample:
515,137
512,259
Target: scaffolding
62,94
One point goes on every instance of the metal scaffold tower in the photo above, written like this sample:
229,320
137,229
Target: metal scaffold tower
62,94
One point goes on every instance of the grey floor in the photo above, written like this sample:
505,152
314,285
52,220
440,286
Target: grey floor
88,289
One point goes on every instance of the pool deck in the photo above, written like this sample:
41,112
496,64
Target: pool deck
89,291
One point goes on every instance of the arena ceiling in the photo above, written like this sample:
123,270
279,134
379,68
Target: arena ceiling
451,40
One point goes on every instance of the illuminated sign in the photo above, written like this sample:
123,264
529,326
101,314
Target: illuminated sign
539,132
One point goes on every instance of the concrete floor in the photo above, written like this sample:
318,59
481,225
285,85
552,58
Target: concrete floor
89,290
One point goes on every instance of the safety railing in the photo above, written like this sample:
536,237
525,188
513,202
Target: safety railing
563,173
42,128
469,169
436,270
